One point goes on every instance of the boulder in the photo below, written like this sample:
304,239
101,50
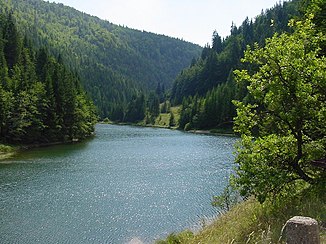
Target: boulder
302,230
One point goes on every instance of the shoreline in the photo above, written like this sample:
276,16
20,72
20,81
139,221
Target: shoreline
7,151
210,133
11,150
4,156
199,132
15,149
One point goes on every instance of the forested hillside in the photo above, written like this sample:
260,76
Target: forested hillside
115,63
280,159
41,101
206,89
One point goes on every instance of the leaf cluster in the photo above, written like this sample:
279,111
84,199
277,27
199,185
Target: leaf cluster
283,129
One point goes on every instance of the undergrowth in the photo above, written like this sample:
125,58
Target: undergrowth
252,222
4,149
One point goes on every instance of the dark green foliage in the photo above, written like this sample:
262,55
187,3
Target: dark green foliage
217,43
189,109
160,92
136,109
165,108
207,81
114,63
171,120
153,104
10,48
40,100
215,109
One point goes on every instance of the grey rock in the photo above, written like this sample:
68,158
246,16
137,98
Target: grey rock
302,230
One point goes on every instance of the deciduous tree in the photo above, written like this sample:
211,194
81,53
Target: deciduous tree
284,130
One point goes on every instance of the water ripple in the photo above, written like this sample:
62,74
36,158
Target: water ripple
128,185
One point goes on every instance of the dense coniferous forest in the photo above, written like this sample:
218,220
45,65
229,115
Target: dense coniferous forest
41,101
116,64
206,89
129,73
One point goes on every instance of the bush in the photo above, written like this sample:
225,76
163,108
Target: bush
229,198
188,127
6,149
106,120
182,237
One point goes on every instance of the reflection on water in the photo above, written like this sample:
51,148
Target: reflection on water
128,184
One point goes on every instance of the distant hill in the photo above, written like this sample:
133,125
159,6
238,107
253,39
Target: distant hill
114,63
206,88
216,61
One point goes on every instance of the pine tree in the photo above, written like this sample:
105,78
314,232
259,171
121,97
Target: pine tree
171,120
217,42
12,42
40,99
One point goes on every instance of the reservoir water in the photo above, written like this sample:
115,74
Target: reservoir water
127,183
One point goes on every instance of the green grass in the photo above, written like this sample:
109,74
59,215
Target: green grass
163,119
252,222
6,151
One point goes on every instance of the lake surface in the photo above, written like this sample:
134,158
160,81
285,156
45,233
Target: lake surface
127,183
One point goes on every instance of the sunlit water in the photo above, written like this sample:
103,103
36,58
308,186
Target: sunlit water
126,183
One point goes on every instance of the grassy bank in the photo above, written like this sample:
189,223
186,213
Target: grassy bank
7,151
163,120
251,222
218,132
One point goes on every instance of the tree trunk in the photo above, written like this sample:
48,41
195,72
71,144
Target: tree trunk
295,164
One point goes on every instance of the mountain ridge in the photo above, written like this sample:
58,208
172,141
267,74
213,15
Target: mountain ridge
115,63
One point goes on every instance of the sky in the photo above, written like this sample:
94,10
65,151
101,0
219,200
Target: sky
190,20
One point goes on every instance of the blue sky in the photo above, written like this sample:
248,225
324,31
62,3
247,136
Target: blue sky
191,20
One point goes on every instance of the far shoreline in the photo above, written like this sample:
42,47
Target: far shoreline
209,132
9,151
5,156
